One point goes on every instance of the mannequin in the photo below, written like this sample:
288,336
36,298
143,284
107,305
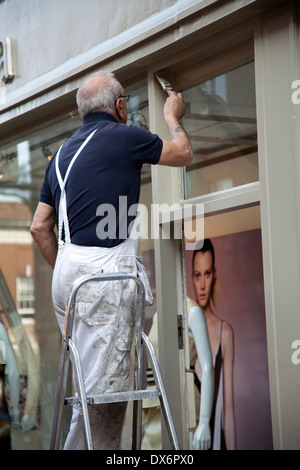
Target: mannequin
198,331
18,369
221,340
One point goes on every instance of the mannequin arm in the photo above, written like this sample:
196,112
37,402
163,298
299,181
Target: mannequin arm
198,328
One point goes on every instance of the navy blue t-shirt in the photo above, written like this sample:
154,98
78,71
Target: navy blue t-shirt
108,167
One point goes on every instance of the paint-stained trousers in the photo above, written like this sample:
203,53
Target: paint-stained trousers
103,331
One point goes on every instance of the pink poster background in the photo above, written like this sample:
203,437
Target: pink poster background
241,302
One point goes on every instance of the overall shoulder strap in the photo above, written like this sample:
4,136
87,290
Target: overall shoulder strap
63,214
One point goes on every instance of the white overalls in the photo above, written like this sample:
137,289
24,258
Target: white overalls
104,321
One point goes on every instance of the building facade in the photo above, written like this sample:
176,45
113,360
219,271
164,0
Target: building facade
237,64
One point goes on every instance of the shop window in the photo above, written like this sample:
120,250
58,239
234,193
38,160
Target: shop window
236,298
221,123
22,168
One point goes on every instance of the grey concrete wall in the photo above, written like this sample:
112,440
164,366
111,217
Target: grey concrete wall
47,33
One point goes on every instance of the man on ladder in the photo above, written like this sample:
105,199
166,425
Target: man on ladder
84,180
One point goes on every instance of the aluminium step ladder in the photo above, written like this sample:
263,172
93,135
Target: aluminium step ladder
70,352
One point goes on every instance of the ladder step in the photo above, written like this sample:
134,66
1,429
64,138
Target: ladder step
130,395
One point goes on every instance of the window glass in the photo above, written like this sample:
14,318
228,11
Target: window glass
229,287
221,123
25,294
25,286
25,278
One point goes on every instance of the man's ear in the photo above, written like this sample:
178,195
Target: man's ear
121,110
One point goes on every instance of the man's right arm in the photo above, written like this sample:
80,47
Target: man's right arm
177,152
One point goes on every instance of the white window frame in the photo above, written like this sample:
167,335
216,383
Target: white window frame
21,297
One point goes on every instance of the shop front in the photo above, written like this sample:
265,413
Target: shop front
235,63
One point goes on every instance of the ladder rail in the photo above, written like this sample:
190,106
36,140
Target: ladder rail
86,420
60,394
163,395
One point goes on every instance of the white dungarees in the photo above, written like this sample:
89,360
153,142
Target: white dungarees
104,321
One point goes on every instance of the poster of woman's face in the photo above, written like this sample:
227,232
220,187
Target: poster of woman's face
239,301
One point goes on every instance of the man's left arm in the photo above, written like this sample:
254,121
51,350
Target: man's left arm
42,231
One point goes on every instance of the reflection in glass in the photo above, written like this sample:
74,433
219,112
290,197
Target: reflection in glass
221,123
138,115
30,322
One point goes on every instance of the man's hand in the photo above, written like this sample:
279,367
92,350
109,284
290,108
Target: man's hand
178,152
174,107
